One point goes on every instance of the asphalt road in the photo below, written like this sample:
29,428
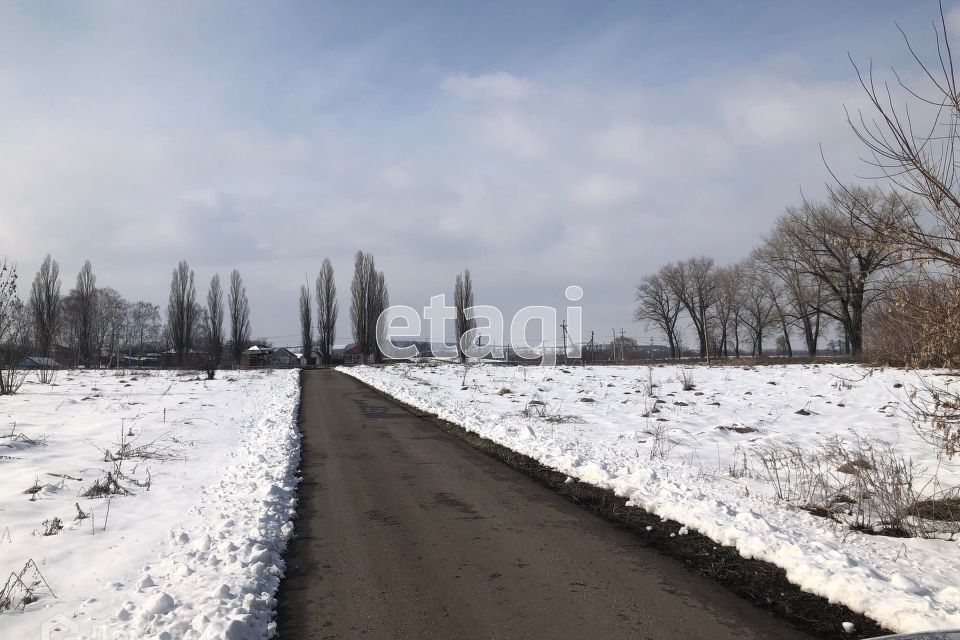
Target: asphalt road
406,532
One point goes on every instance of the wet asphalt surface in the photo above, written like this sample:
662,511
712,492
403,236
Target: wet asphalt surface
406,532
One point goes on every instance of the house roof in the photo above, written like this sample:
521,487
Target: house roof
39,361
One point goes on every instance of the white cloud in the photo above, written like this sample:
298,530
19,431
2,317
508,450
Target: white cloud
624,142
500,86
397,178
513,132
602,190
770,111
663,153
204,197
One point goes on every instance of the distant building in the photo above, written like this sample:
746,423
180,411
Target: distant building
257,356
149,361
351,354
38,362
192,358
254,356
63,353
308,360
282,357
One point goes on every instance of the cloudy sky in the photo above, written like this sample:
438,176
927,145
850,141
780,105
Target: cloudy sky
540,144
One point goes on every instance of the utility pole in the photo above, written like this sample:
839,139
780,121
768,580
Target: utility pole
563,328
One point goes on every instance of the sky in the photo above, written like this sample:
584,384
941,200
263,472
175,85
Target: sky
539,144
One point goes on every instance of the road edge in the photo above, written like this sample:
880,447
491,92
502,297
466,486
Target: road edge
280,607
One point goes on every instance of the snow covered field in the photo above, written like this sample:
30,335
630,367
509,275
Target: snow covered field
187,542
694,456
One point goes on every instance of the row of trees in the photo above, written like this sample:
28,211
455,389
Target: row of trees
191,325
91,324
819,266
328,309
368,299
88,323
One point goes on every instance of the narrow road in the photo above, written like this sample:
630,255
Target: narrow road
406,532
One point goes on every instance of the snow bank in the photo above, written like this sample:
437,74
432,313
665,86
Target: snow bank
218,576
198,554
905,584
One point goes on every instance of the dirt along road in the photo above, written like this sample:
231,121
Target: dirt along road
406,532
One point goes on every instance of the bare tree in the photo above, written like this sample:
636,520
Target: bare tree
831,246
85,315
327,311
781,314
911,134
368,299
756,310
728,303
379,301
803,294
143,326
306,323
239,308
214,326
182,311
658,305
12,329
201,336
45,305
694,283
916,156
68,329
363,265
896,328
110,323
463,300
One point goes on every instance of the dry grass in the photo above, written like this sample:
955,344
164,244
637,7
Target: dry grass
864,484
685,378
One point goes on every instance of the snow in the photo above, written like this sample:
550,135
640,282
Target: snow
907,585
195,550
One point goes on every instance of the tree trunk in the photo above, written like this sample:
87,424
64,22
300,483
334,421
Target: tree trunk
786,338
856,324
698,327
816,334
809,338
